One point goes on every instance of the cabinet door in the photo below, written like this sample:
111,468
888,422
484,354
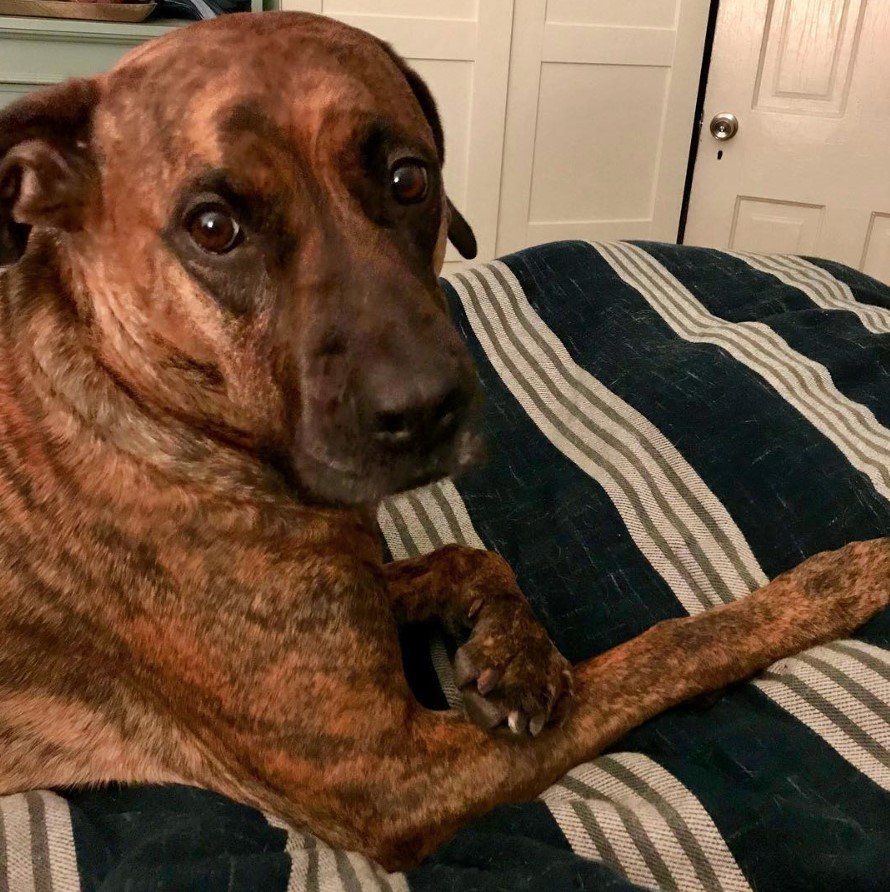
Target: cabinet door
462,49
599,118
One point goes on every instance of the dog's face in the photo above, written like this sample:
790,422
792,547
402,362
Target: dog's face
252,219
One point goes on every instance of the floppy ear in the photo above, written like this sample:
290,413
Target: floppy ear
47,173
459,232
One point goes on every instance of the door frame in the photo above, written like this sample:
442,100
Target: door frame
698,117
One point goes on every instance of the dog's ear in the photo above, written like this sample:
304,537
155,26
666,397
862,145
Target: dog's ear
459,232
46,168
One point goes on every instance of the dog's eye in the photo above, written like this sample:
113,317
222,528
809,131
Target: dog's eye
213,229
409,182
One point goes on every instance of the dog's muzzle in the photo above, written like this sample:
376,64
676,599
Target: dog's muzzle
395,425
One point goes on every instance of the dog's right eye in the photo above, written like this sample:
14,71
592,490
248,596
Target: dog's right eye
409,182
213,229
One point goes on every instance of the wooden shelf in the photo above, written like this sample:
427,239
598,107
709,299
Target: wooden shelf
78,29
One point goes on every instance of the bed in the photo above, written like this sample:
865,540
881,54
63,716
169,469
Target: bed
668,427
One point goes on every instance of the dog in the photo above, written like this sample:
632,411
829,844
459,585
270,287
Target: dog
223,342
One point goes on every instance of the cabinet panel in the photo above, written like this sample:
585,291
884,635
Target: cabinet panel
599,116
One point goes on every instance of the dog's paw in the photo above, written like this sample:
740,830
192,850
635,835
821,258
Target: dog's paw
511,676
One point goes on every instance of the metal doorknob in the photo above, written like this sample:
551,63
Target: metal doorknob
724,126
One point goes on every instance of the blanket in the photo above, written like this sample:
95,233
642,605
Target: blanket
668,428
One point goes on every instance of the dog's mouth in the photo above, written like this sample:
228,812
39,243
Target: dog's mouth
328,479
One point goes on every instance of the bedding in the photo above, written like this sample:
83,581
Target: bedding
668,427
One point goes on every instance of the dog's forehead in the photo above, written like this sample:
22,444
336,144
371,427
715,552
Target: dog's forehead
301,76
272,105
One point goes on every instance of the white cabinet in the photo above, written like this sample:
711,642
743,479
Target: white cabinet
36,52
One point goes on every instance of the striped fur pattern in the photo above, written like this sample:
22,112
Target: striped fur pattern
668,809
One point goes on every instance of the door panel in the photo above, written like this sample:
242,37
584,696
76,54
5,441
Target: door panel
586,141
808,53
765,225
642,13
430,9
876,253
599,114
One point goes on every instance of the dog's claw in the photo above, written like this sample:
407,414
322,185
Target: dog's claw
511,676
488,681
517,722
536,724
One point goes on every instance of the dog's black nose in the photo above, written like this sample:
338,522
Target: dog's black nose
411,418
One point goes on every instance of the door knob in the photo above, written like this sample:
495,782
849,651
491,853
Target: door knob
724,126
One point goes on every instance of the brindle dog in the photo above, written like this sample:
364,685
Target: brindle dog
222,343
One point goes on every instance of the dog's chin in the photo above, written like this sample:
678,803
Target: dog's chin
327,481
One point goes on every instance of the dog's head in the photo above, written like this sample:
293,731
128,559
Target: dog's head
251,219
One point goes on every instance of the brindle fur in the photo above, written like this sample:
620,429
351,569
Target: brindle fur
186,597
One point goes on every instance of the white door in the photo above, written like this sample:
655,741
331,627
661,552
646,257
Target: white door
809,168
461,48
599,118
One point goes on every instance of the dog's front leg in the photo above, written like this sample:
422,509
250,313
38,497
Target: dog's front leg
511,673
400,792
